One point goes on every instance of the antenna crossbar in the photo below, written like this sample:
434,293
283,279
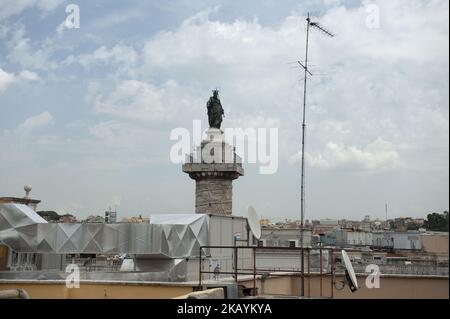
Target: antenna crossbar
321,28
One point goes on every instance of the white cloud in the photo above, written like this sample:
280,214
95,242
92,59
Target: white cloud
377,155
118,55
104,131
374,78
6,79
60,28
21,51
373,75
143,101
37,121
255,121
200,41
10,8
28,76
4,29
48,5
128,142
114,18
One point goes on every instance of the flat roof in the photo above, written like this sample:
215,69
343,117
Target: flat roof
19,200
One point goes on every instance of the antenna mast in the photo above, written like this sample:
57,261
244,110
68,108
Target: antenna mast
302,204
386,211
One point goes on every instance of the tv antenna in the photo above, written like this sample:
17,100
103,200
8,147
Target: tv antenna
386,212
316,25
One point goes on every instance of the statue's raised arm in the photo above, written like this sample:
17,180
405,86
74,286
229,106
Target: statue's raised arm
215,111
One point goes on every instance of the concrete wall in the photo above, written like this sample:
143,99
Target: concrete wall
281,237
435,243
398,240
391,287
58,290
407,241
223,229
382,239
344,238
359,238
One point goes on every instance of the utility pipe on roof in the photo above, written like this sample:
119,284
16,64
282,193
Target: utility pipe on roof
14,294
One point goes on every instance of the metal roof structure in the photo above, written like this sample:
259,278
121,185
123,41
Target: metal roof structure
173,235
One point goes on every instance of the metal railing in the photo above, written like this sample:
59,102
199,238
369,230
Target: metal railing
193,158
405,270
96,264
24,261
255,271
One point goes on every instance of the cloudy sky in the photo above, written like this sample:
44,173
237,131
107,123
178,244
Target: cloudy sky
86,113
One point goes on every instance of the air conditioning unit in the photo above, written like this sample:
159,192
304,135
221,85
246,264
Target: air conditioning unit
262,243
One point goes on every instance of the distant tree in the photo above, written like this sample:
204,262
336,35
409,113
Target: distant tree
437,222
412,226
49,215
392,225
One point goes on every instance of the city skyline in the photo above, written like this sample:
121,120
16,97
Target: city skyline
271,218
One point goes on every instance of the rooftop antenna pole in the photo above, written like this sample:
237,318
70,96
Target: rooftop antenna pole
302,204
386,211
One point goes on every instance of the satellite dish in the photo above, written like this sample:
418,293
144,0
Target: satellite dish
253,222
127,265
350,276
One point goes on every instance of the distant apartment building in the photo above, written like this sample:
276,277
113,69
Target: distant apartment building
94,219
67,218
405,223
110,217
347,238
264,222
382,240
284,237
324,226
136,219
366,224
419,221
359,238
409,240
